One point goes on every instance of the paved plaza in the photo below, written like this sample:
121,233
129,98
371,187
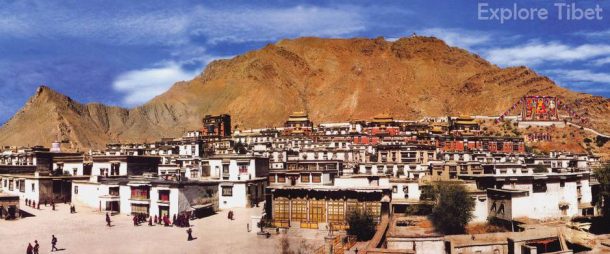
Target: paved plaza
86,232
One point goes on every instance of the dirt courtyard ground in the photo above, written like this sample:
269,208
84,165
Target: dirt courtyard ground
86,232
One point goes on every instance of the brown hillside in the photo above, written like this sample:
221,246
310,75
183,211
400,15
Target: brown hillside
331,79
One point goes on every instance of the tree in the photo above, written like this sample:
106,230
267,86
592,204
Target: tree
539,168
453,208
240,148
362,225
603,176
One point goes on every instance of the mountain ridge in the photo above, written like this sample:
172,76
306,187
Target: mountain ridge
331,79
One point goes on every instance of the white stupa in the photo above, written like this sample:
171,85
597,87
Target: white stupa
56,147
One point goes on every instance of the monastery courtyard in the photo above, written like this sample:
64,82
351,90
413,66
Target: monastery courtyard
86,232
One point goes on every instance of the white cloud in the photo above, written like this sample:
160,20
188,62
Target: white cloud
142,85
12,25
536,53
261,24
177,26
581,80
602,61
581,76
595,34
458,37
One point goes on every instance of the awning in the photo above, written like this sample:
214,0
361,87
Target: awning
197,207
585,206
138,184
110,198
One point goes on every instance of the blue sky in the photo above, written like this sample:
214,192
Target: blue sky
126,52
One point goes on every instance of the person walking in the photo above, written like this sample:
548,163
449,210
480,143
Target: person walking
53,243
30,249
36,245
108,220
190,234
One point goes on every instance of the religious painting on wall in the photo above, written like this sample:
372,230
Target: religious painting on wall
540,108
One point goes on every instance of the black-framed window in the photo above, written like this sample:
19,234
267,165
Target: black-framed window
227,191
539,186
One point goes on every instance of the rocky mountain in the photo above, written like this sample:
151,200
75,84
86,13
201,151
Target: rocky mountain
331,79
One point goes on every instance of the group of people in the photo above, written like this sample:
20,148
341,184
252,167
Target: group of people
182,220
34,249
139,218
32,204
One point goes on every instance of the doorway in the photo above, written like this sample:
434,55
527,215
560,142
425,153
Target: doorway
163,210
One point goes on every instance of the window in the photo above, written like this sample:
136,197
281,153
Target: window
354,206
21,185
225,172
539,186
139,192
336,211
243,168
317,211
394,189
316,178
75,189
113,191
299,210
164,195
281,178
272,178
227,191
304,178
280,209
374,209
